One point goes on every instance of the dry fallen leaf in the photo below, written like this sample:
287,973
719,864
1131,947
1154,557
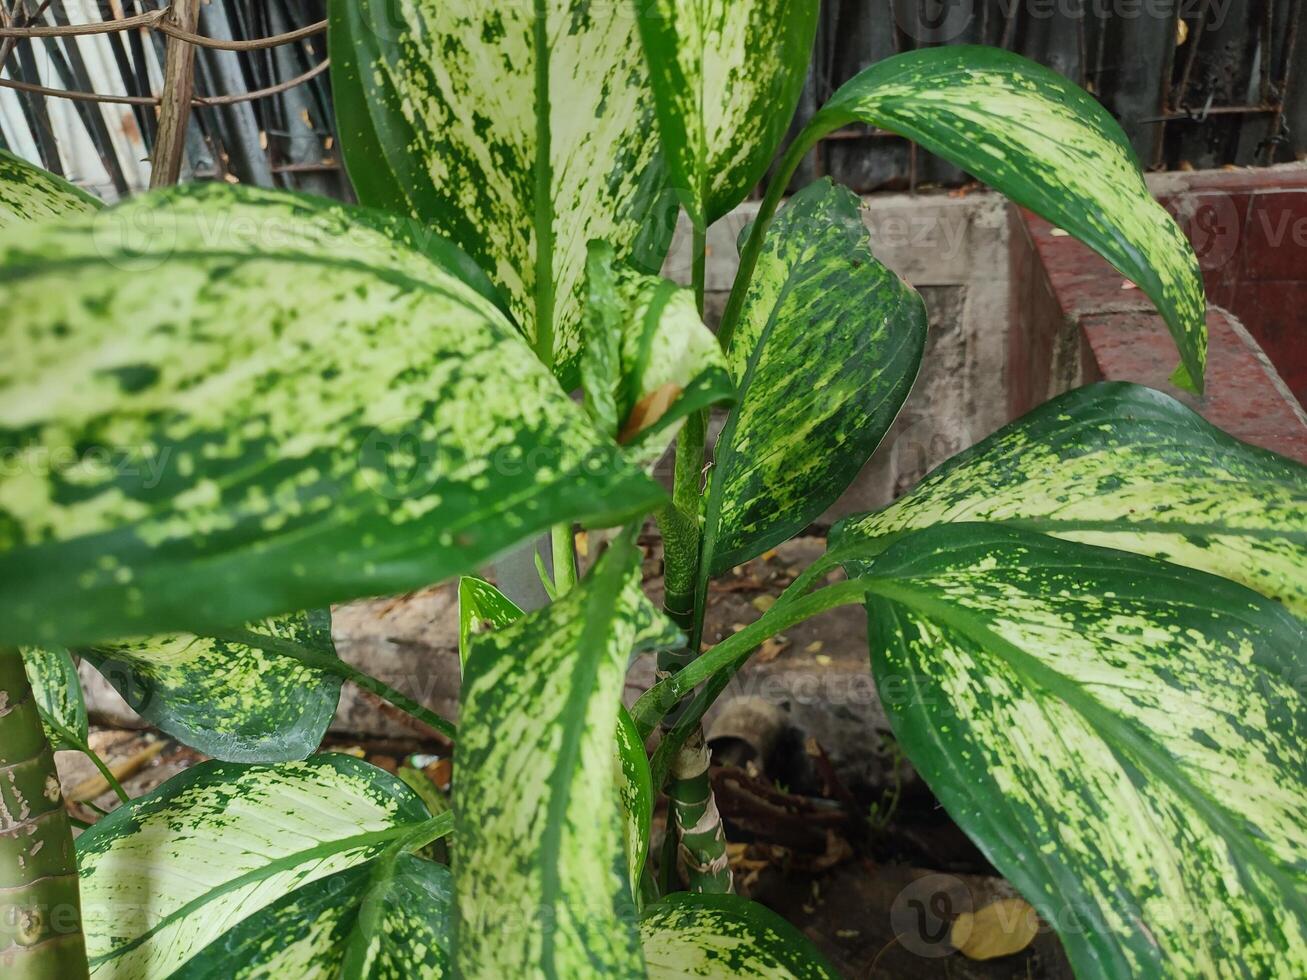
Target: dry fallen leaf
999,929
771,649
764,602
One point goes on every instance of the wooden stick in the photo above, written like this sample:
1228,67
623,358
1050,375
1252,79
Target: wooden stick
161,21
154,100
175,99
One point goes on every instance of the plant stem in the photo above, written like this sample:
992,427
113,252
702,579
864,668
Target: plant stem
735,649
699,267
40,908
564,550
753,247
74,740
695,826
701,856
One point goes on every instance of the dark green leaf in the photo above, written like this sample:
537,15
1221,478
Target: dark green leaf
1122,737
233,701
1048,145
824,355
1125,467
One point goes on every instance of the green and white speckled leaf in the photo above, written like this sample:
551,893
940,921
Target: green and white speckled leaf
824,354
230,700
1122,737
235,404
726,76
649,361
389,919
1049,146
483,608
58,692
635,793
520,131
721,936
29,194
538,720
166,875
1123,466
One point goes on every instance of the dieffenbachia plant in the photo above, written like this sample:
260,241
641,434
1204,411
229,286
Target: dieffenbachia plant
224,409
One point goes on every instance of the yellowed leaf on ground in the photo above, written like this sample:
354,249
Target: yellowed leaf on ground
999,929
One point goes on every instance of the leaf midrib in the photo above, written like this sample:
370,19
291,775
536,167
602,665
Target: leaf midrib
285,863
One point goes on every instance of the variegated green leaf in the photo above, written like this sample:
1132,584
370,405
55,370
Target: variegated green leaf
1126,467
1049,146
1123,738
389,919
635,791
29,194
721,936
481,607
649,361
58,693
539,715
726,76
229,404
230,700
520,131
165,876
824,355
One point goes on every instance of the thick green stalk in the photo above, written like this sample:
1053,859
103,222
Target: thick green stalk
715,669
40,911
701,856
564,549
700,838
